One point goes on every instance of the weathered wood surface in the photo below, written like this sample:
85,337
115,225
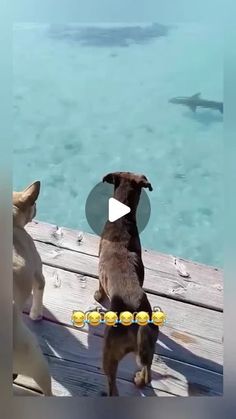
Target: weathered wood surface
74,379
84,350
83,376
197,329
204,286
190,347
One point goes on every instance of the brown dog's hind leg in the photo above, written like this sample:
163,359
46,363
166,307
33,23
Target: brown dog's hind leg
100,294
110,366
116,345
110,362
143,377
146,340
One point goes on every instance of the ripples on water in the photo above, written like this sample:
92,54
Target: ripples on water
90,100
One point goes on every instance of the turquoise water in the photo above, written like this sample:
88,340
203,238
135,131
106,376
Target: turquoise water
82,110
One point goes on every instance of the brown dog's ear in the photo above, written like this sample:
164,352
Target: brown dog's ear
30,194
110,178
146,184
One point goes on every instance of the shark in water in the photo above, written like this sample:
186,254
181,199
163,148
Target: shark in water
194,101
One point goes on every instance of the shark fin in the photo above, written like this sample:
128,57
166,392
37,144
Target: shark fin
196,96
193,107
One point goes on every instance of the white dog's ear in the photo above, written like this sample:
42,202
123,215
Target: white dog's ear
30,194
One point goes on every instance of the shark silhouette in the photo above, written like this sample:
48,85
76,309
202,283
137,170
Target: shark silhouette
194,101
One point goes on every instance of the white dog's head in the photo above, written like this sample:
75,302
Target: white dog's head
24,204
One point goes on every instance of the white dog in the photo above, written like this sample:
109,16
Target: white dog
27,276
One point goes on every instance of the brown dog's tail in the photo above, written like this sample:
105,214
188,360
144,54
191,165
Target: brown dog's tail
147,336
146,341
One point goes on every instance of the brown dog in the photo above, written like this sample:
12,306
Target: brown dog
121,276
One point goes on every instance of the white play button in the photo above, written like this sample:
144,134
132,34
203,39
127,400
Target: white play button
116,210
98,212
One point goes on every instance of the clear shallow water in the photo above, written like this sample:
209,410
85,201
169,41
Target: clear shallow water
82,111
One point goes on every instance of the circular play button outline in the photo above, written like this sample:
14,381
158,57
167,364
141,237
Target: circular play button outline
97,208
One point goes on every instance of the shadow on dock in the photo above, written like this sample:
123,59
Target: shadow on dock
193,388
88,359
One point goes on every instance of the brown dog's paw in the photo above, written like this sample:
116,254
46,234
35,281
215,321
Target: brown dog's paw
103,394
139,379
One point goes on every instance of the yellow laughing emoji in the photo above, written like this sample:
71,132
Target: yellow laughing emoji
126,318
94,318
78,318
158,318
110,318
142,318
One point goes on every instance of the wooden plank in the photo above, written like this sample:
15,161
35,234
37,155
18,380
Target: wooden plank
72,295
183,317
42,231
69,379
190,344
192,334
159,282
85,351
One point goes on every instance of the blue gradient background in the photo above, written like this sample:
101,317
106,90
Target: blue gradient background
138,408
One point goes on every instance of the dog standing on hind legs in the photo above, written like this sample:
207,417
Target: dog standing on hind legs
27,276
121,276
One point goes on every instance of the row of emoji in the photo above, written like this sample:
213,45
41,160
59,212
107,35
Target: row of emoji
110,318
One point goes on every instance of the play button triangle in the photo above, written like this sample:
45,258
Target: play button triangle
116,210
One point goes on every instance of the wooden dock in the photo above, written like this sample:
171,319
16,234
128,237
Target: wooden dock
189,353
